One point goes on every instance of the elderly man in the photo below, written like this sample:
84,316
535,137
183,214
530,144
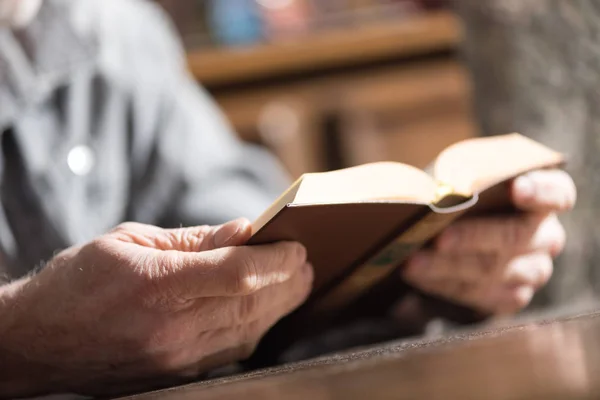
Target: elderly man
100,124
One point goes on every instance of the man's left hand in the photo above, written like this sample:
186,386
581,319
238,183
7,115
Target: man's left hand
496,264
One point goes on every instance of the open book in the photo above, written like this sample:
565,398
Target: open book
359,224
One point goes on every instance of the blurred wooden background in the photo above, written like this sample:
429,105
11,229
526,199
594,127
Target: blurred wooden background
355,81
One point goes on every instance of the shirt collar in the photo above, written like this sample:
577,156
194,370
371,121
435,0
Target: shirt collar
37,59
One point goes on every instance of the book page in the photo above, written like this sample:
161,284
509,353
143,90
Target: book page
382,181
477,164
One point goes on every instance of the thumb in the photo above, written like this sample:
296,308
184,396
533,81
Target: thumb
205,238
233,233
192,239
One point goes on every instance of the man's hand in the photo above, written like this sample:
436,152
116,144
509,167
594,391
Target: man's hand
143,303
496,264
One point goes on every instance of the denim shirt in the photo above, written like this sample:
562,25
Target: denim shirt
102,124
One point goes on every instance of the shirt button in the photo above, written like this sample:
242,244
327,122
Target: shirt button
81,160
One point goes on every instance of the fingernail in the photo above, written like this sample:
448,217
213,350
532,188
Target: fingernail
524,187
448,239
224,234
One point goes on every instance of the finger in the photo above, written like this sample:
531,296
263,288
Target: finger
507,299
460,278
436,266
457,291
192,239
238,336
544,191
549,237
484,235
481,282
533,270
232,271
279,298
205,238
485,298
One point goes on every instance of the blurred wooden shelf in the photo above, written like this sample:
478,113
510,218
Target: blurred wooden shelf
415,35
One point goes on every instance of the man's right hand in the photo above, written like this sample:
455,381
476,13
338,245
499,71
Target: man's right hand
142,303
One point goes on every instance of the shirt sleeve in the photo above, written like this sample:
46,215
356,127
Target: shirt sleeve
188,165
219,177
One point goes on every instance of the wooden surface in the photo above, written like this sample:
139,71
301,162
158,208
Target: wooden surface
412,36
540,359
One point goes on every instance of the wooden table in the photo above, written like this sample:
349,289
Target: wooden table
555,358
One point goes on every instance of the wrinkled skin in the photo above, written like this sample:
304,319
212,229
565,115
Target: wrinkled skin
143,303
496,264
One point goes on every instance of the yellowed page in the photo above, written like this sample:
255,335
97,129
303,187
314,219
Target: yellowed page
476,164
